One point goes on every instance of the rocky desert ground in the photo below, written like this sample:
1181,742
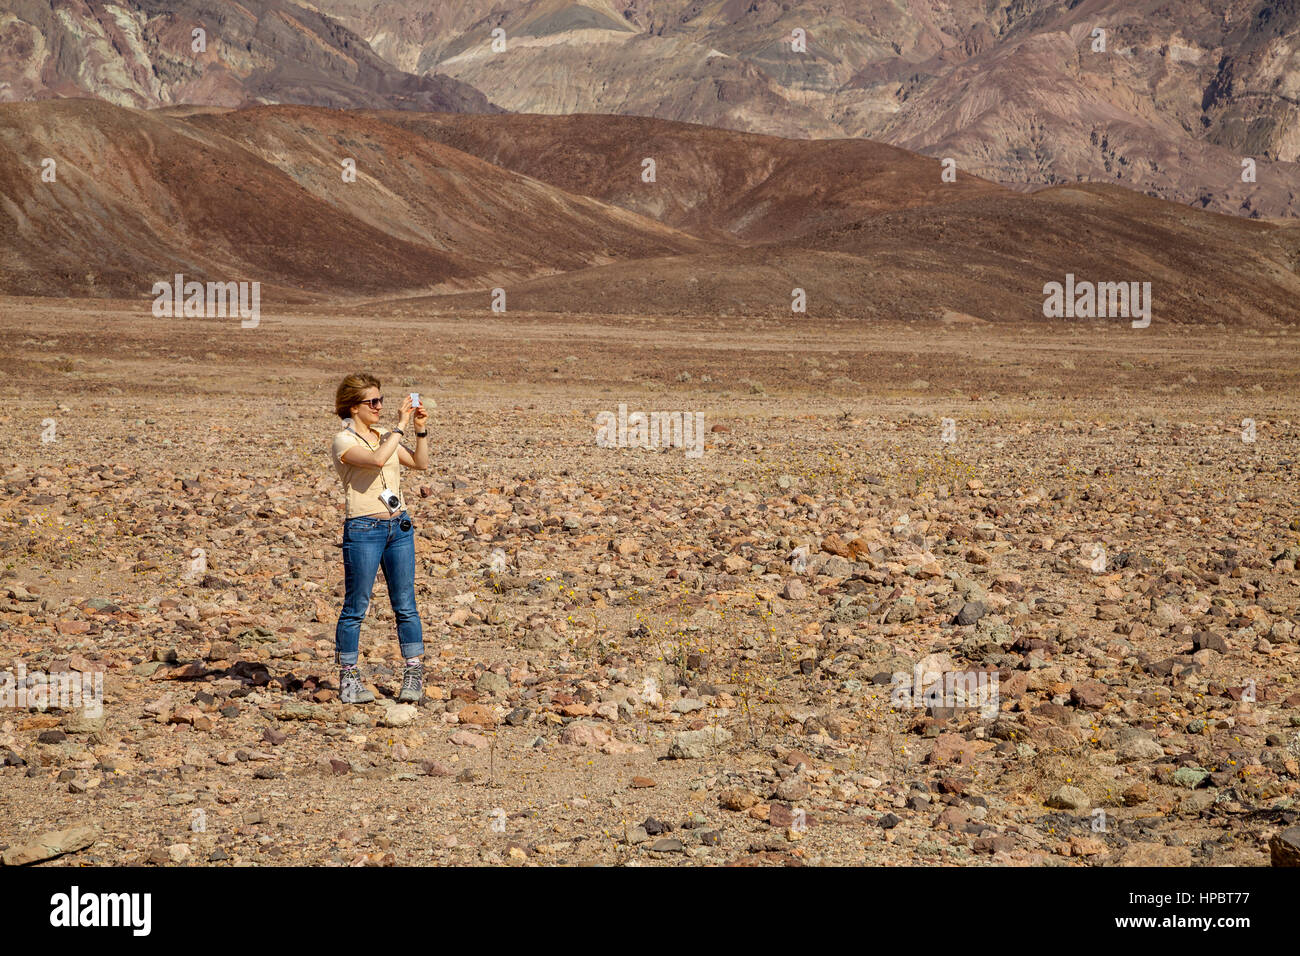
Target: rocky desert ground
643,657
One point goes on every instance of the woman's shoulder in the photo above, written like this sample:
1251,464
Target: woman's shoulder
344,439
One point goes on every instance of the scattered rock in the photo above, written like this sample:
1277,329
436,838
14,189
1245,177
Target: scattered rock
299,710
464,738
1204,640
47,846
399,715
1190,777
737,799
1069,798
476,714
1284,847
794,590
667,845
698,744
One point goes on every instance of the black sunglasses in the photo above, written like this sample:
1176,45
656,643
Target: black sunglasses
372,402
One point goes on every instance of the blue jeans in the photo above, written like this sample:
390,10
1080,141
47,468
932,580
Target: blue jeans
368,545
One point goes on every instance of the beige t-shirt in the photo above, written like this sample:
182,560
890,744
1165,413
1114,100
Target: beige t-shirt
363,484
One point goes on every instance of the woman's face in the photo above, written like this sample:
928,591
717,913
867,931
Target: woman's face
364,413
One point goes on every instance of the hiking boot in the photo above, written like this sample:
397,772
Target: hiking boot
412,683
350,689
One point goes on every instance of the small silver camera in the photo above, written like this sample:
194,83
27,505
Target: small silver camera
390,499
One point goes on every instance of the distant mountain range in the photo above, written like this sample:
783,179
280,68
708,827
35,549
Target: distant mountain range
412,213
145,54
387,155
1018,92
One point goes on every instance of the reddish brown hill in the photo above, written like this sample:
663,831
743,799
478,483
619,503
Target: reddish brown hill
259,194
984,257
997,255
711,182
864,230
421,191
140,196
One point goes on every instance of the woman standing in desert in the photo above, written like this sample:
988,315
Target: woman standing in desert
377,530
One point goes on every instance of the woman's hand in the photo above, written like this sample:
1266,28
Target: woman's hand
420,460
405,419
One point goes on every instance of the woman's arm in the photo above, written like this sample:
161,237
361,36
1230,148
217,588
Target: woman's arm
408,459
373,458
420,460
378,457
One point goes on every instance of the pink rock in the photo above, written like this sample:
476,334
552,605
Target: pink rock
584,735
185,714
953,817
463,738
616,746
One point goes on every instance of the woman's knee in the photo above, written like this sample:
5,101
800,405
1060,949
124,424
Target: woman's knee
355,607
403,602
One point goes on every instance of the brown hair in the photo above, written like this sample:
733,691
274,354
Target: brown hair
350,392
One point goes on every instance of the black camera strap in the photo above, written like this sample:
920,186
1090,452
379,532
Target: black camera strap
351,429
